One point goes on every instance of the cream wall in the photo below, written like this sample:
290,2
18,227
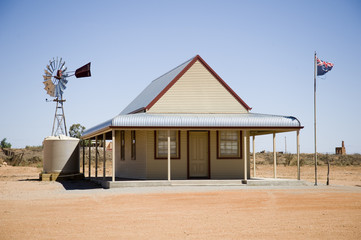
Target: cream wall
146,167
158,168
224,168
197,91
129,168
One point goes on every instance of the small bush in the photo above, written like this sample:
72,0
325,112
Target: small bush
34,159
302,162
346,160
288,159
269,158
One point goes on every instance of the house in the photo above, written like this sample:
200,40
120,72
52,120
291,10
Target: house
109,146
187,124
341,150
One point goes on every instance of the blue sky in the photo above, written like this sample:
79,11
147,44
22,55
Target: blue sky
263,49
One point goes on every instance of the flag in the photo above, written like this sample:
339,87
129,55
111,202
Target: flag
323,67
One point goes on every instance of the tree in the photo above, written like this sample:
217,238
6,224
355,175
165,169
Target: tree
76,130
5,144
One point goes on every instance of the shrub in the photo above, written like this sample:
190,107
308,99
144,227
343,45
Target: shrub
288,159
34,148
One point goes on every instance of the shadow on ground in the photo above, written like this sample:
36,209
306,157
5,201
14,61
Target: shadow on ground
78,185
30,180
69,184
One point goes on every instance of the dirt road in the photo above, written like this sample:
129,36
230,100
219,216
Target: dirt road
30,209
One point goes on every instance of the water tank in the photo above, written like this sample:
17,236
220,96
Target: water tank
61,155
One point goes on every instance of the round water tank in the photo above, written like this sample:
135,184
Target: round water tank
61,155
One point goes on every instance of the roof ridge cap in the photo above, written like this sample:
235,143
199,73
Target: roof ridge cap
189,60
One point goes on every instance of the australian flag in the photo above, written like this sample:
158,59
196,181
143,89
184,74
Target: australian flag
323,67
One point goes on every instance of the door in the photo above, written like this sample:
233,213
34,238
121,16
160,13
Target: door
198,155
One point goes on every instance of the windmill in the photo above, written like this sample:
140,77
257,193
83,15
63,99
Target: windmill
55,80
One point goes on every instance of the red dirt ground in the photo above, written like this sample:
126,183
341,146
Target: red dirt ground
31,209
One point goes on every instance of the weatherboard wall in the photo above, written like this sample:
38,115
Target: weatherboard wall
197,91
129,168
223,168
158,168
146,166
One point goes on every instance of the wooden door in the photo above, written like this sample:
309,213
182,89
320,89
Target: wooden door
198,155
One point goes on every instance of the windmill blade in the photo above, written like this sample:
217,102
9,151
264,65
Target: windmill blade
54,63
65,75
63,79
47,73
61,68
50,90
46,77
49,87
59,89
62,88
58,92
50,70
51,64
66,68
48,83
62,85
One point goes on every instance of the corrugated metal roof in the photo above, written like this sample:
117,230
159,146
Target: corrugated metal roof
154,88
255,120
97,127
204,120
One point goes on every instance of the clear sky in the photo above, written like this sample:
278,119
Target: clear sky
263,49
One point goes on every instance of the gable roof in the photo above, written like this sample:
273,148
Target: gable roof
158,87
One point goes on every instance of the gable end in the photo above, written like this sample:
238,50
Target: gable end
215,75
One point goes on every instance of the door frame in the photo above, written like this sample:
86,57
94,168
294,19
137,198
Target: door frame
209,155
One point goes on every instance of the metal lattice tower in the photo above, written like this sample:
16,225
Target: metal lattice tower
59,124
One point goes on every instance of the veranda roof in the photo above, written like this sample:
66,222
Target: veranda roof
253,121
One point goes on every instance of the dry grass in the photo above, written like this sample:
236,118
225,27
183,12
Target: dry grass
308,159
33,156
345,169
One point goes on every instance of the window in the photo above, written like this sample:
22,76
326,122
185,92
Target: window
122,145
133,155
161,146
229,144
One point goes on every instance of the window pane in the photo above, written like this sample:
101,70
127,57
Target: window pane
133,150
162,144
122,145
229,144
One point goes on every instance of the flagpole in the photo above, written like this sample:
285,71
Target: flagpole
315,75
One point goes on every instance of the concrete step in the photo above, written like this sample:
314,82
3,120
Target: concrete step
203,182
276,182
